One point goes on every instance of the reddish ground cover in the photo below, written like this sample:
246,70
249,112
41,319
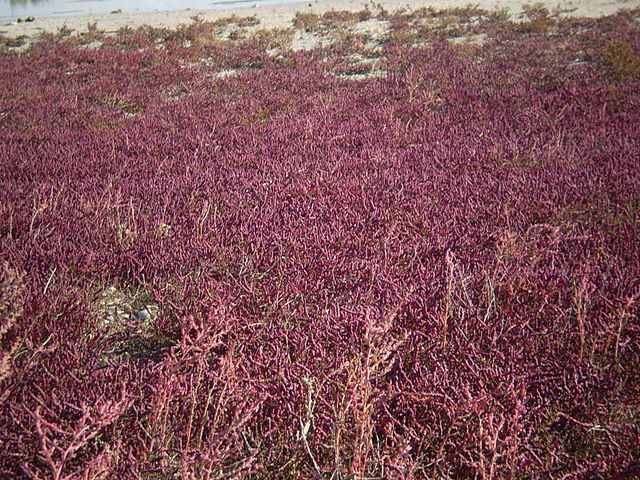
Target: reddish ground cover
285,272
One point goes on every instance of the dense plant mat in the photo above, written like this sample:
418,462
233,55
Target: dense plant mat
414,255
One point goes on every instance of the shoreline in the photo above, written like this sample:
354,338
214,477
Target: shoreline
281,16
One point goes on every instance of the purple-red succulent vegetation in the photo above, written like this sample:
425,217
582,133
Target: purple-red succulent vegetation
430,273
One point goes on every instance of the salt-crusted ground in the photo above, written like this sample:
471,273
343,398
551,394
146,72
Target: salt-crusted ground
281,16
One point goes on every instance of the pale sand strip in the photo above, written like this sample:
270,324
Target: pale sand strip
282,15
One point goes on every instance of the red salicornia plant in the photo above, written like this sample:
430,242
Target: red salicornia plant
408,257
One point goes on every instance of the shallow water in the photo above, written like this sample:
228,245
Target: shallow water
13,9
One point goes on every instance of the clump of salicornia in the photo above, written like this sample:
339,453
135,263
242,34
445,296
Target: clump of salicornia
410,257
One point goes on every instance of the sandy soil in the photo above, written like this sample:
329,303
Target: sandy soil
282,15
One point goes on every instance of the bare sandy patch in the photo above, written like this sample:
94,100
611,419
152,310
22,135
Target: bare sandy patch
281,16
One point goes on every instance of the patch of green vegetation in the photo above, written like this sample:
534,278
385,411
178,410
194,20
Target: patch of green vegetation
623,60
538,25
331,20
403,33
309,22
539,19
273,38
